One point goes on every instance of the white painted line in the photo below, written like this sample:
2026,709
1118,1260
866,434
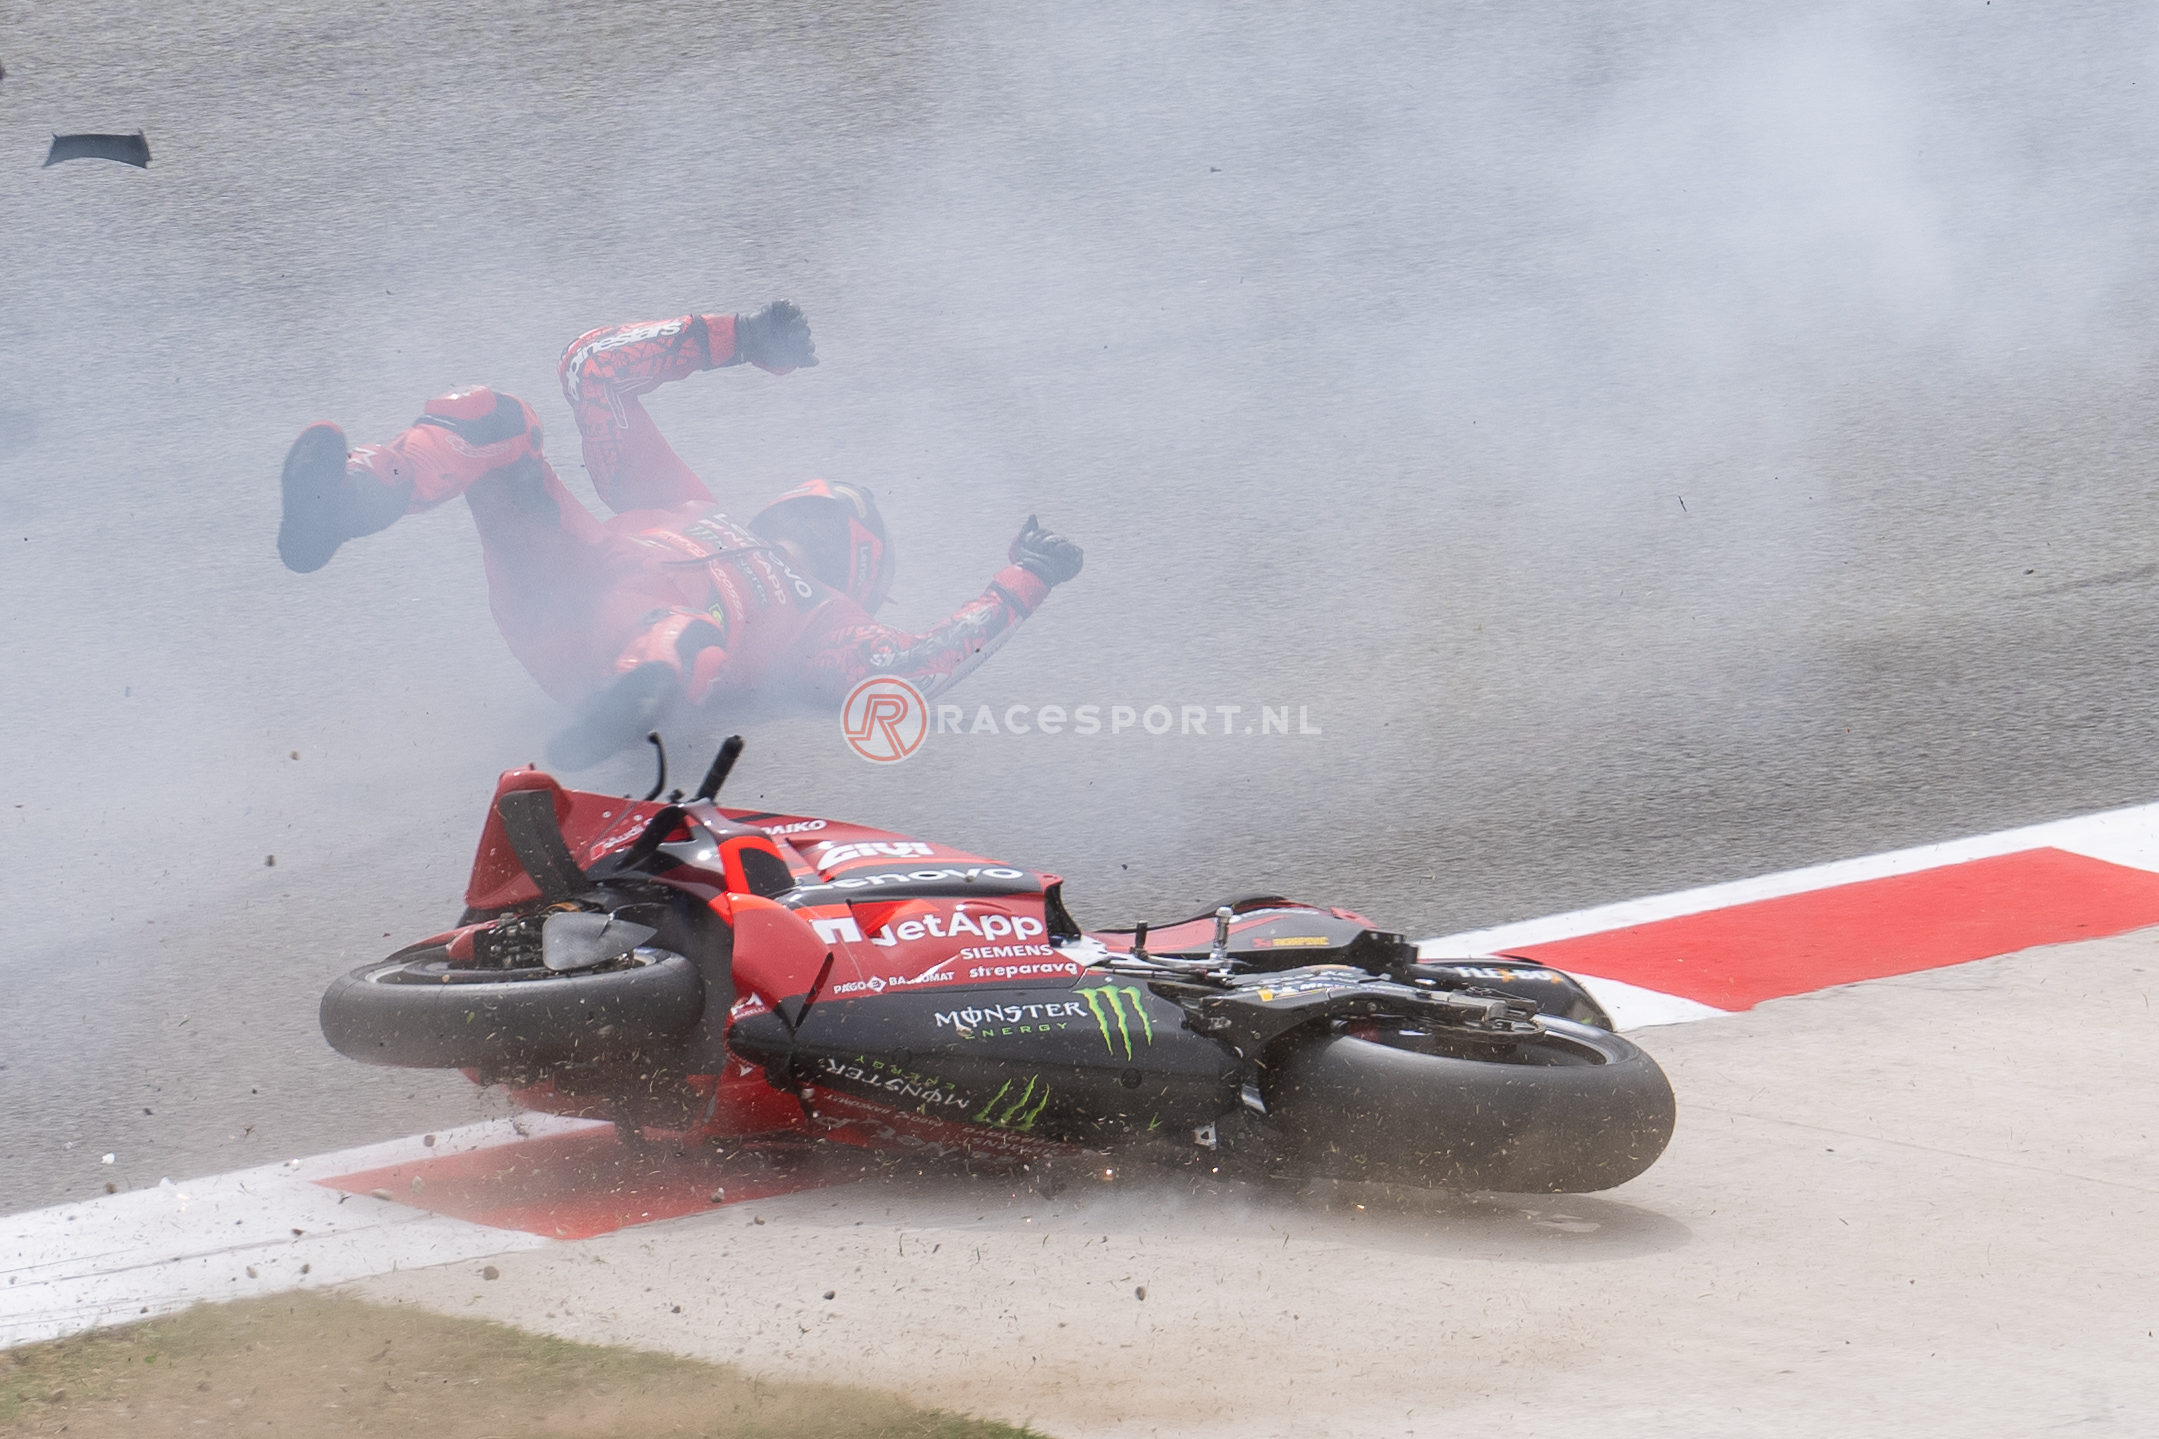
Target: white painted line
153,1251
1633,1007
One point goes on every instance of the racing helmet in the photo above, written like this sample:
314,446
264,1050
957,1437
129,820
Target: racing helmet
841,534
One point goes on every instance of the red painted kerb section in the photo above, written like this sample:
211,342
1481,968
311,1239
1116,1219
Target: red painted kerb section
574,1186
1735,958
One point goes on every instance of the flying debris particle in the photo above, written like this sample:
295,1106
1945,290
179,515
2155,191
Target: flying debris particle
1140,1292
295,754
269,861
428,1140
379,1193
719,1196
832,1294
109,1159
251,1272
111,1188
676,1309
307,1268
127,149
418,1184
491,1272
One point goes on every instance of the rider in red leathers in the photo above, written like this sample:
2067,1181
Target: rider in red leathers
668,599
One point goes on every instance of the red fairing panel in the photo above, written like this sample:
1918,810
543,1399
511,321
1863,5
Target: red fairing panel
498,880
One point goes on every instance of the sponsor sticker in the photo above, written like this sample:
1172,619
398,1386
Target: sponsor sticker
827,855
1015,1115
992,1021
895,1084
1121,1005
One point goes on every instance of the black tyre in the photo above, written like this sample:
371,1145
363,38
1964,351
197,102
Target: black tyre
1578,1109
418,1010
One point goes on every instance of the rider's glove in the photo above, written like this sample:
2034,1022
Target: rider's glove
776,338
1046,555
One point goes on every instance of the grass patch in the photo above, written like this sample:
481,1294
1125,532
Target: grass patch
307,1364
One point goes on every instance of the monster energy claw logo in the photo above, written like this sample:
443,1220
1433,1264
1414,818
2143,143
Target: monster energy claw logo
1016,1115
1108,1003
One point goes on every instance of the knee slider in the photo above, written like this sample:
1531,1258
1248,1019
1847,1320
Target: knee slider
479,416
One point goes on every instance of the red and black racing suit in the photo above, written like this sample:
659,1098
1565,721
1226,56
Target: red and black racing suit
667,578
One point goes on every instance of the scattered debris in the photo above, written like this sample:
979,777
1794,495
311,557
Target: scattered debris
491,1272
111,1188
1140,1292
109,1159
832,1294
719,1196
379,1193
269,861
428,1140
127,149
251,1272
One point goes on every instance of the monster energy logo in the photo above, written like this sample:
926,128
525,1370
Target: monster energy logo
1108,1003
1016,1115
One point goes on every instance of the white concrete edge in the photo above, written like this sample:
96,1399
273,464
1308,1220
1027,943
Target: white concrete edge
265,1230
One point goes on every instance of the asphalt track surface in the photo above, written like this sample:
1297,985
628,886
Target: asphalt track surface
1656,450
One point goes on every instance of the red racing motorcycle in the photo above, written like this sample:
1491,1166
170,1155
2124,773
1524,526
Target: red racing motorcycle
720,974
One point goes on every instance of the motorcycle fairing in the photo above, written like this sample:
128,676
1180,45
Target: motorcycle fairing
956,1004
1081,1063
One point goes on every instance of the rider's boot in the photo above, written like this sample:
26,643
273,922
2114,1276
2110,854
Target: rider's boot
327,501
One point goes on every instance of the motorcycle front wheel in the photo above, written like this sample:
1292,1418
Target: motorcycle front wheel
419,1010
1573,1110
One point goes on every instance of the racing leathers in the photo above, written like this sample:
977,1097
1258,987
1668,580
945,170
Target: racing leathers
667,579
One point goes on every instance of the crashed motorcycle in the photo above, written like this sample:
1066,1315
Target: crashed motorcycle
717,974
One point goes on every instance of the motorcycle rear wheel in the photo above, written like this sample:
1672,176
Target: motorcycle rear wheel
1577,1109
418,1010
